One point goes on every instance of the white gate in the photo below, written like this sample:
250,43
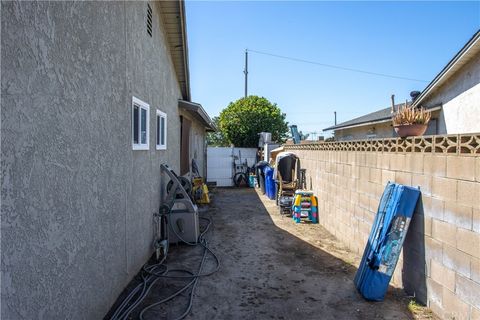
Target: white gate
220,165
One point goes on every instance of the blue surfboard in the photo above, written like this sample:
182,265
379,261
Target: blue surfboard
385,241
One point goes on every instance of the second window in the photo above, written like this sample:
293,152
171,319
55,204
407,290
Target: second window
161,130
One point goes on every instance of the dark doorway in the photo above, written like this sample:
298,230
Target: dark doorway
185,126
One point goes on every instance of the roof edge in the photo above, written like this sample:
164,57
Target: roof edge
198,109
444,72
379,120
360,124
183,19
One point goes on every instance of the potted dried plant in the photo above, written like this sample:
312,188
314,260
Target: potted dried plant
411,121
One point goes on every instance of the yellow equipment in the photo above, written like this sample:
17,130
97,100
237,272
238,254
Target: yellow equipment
200,191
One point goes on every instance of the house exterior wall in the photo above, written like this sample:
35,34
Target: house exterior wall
460,100
440,263
197,147
76,200
382,130
460,97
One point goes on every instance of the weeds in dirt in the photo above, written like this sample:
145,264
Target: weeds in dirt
419,311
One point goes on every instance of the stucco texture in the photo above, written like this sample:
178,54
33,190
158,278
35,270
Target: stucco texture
77,201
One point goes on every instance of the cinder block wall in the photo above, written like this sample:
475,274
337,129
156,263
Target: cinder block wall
440,263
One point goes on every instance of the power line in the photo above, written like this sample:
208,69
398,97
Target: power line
309,123
319,112
335,66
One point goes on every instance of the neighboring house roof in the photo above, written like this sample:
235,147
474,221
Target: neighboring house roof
469,50
197,111
380,116
174,20
371,118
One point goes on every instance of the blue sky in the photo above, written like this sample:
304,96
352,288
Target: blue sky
408,39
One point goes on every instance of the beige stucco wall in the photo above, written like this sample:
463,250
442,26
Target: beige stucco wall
440,263
460,97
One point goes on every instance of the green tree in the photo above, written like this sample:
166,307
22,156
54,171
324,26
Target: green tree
241,121
217,138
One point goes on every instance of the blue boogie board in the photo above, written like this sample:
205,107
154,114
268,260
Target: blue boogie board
385,241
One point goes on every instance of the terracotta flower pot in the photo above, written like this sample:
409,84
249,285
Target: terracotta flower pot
411,130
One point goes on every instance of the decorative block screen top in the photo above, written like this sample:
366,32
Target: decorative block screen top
465,144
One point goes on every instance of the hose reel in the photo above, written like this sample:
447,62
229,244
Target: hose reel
186,184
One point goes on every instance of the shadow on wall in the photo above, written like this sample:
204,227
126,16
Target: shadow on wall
414,274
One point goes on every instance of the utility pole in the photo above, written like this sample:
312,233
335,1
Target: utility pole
335,113
246,72
393,103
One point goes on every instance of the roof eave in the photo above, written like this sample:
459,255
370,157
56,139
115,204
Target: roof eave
183,20
381,120
197,110
362,124
174,23
445,72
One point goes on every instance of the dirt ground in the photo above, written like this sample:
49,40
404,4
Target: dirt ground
272,268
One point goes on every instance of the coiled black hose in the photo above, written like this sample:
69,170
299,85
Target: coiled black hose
152,273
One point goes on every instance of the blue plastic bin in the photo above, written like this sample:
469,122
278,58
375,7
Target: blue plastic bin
269,183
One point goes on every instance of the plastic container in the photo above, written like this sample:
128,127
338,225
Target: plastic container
260,167
269,183
251,180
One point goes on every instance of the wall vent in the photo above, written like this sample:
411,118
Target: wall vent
149,19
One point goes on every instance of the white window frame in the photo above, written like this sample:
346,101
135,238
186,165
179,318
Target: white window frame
141,105
158,144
